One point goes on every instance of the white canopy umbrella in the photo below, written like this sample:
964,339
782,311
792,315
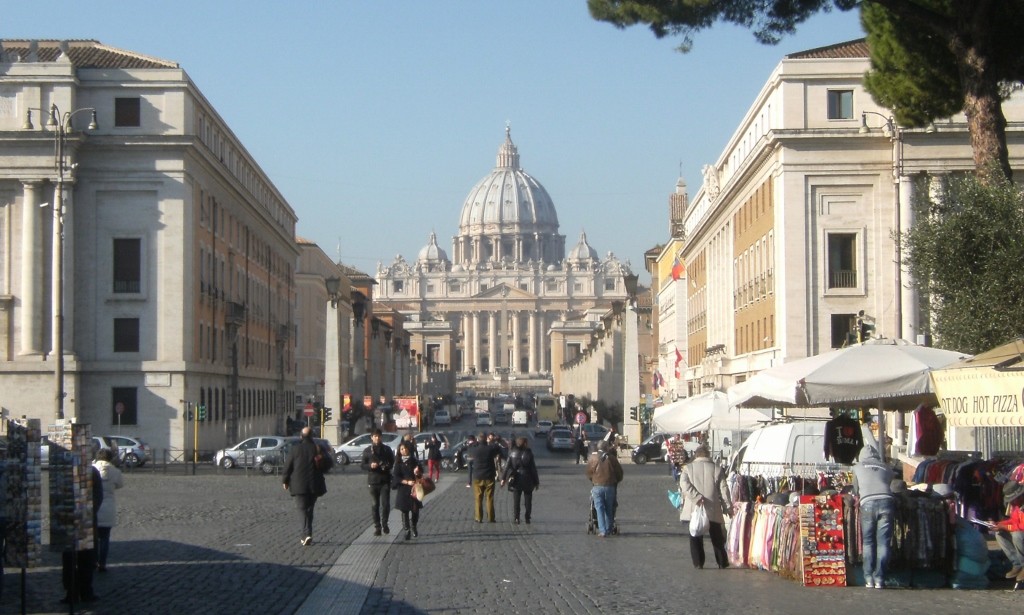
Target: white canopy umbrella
879,371
706,411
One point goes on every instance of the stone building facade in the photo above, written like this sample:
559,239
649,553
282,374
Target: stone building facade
179,252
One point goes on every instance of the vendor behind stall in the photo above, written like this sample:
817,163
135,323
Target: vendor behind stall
1010,531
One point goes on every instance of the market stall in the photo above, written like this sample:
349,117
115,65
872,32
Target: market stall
884,374
705,412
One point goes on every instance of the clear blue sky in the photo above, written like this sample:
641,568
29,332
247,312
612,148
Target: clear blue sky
375,119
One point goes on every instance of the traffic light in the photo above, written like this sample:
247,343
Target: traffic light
632,413
326,415
200,412
188,415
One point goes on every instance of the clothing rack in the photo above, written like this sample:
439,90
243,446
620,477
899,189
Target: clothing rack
958,455
781,468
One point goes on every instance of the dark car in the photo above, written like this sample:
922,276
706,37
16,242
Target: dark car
650,449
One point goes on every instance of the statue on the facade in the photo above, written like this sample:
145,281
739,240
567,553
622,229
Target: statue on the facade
710,180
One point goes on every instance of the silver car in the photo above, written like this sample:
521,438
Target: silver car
132,450
245,452
352,450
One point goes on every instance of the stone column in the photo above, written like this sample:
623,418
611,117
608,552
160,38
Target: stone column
515,367
30,317
532,343
477,364
467,342
492,345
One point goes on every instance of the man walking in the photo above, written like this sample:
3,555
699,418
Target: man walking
304,478
485,471
378,460
605,472
702,483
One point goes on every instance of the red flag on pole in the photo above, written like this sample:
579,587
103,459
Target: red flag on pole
679,359
677,269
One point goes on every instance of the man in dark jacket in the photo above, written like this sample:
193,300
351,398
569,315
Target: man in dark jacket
378,460
304,478
605,473
485,470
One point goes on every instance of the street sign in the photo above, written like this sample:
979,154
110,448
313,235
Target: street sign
119,407
581,417
308,410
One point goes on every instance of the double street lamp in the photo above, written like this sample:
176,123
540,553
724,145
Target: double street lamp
60,124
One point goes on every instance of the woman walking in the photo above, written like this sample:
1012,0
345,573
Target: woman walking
406,473
521,475
106,516
434,458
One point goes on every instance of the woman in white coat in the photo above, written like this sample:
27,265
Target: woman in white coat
702,482
106,516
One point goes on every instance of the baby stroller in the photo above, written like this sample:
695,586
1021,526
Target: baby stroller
592,526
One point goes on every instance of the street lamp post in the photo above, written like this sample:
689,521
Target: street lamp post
60,124
896,137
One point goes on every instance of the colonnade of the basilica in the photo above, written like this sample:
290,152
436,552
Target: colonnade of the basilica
519,248
495,339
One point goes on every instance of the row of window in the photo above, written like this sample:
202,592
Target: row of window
252,403
398,286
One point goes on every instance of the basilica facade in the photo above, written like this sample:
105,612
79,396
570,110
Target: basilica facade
488,311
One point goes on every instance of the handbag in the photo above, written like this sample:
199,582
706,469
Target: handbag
422,488
675,499
511,482
698,521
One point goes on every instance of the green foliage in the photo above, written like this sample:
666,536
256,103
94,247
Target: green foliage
769,20
913,72
965,254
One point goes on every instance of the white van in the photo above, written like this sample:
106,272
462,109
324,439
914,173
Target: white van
797,447
519,417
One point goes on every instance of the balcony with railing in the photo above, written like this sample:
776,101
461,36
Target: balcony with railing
842,278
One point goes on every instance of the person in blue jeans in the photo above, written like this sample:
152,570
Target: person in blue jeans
605,473
872,482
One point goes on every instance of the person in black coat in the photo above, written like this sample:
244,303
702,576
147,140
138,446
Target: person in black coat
407,471
77,565
521,475
305,480
378,461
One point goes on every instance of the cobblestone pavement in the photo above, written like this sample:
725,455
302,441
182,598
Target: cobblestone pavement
226,542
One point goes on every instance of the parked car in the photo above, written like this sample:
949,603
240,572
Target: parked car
104,442
133,450
501,417
453,458
245,452
484,419
274,459
543,427
352,450
595,431
560,439
421,440
441,417
650,449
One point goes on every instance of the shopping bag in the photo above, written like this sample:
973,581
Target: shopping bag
698,521
675,499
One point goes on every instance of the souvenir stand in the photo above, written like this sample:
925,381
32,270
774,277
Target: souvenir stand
775,531
22,482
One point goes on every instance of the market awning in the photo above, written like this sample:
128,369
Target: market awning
984,391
